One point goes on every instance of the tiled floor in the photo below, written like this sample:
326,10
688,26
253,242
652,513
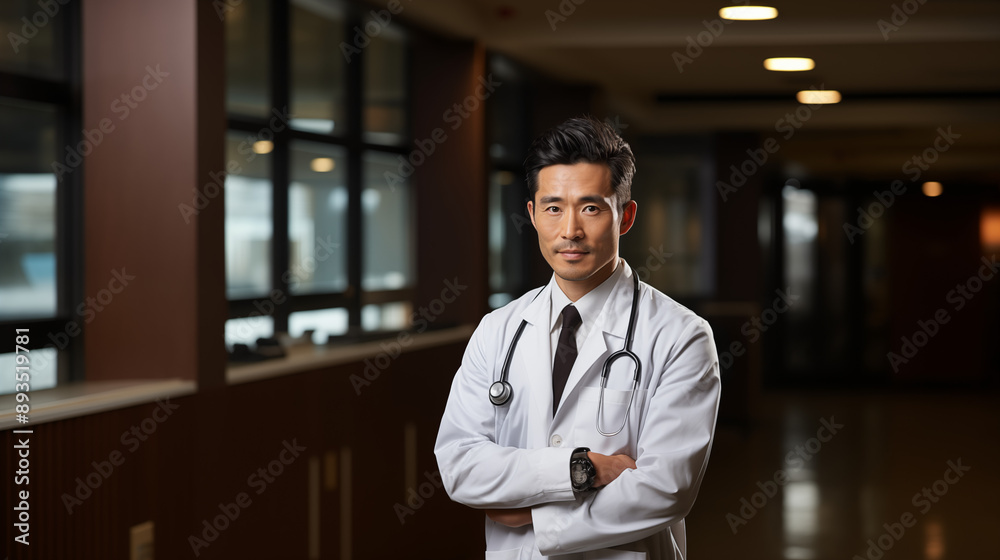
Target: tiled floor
833,499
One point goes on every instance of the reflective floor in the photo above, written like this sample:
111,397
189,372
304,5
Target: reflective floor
846,476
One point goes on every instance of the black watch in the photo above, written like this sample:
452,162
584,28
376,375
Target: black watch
581,470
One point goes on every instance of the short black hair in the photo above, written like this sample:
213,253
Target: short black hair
579,140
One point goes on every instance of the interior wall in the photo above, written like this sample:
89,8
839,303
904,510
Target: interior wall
202,451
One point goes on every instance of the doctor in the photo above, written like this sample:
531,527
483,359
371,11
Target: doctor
550,483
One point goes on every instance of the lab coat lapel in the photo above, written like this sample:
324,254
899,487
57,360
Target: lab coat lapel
607,335
534,358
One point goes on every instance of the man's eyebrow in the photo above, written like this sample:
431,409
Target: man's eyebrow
593,199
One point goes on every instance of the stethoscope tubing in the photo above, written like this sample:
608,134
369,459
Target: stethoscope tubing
501,391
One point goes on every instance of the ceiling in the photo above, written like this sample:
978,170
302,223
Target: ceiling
939,67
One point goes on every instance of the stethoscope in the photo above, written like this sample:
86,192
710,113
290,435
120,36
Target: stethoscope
500,391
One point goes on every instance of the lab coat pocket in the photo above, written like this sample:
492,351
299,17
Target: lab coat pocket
616,403
512,554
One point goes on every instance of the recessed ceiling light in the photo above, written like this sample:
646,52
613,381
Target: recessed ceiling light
263,146
818,96
748,13
932,188
322,164
789,64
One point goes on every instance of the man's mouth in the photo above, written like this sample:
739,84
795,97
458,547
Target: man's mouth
572,254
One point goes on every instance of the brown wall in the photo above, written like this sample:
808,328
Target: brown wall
202,454
451,183
160,142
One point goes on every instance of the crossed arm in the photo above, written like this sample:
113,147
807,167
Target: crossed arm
521,486
607,468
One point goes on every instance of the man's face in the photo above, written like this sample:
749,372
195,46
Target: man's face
579,221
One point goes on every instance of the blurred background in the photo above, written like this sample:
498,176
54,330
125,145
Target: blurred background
246,241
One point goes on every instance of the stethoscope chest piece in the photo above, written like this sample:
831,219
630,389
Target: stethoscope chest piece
500,392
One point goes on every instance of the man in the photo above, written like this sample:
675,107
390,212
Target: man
535,459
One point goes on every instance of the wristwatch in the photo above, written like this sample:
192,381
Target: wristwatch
581,470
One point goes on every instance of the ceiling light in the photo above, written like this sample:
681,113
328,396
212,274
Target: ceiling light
932,188
789,64
263,146
322,164
818,96
748,13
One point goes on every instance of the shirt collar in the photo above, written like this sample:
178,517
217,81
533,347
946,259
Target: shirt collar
589,306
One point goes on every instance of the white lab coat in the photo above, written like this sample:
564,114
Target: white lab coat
518,454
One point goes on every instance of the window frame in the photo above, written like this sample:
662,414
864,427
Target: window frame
65,96
353,298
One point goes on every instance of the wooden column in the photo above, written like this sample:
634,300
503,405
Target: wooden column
154,115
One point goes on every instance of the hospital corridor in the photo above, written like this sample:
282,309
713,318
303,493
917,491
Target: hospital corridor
502,279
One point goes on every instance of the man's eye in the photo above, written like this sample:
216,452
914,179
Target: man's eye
590,208
552,209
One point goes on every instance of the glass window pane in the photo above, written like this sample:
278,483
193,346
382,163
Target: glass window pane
393,316
246,330
385,92
35,38
388,225
508,223
318,89
43,370
248,216
248,52
27,211
317,218
325,323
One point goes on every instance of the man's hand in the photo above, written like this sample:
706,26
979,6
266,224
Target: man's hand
608,467
510,517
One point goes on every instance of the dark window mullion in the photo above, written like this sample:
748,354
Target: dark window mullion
281,168
355,108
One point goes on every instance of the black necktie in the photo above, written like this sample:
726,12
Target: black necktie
565,353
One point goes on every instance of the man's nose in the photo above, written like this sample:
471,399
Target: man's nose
571,227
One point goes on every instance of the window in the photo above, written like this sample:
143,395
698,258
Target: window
317,238
512,239
39,193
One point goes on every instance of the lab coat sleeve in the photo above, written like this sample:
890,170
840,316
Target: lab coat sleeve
674,441
475,470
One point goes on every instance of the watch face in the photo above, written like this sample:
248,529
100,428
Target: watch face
579,474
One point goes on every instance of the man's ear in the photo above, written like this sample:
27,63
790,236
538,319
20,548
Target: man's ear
628,217
531,214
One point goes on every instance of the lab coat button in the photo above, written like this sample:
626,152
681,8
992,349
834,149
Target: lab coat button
556,441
